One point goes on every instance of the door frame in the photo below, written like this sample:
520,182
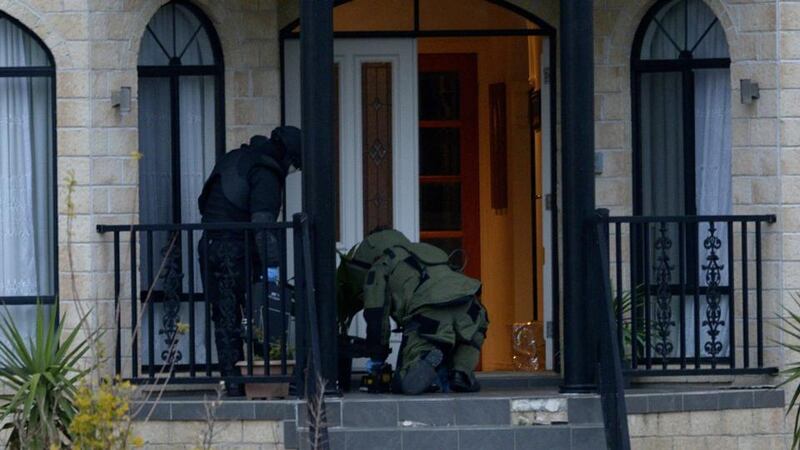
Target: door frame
553,324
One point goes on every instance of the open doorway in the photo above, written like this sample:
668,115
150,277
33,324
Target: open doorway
444,127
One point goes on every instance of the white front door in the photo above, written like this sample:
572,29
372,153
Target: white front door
377,130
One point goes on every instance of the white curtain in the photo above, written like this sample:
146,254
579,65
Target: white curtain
26,176
196,121
662,144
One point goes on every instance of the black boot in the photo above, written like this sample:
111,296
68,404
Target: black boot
461,382
422,374
232,389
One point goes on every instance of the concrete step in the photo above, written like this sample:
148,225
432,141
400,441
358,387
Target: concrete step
555,437
392,411
457,422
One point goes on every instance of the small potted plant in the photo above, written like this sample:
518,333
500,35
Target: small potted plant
255,390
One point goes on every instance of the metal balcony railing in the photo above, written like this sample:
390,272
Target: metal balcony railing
164,328
688,293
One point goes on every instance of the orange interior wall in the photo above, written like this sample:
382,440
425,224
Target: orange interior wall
507,268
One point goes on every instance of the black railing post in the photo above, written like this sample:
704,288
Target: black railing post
117,306
611,386
301,319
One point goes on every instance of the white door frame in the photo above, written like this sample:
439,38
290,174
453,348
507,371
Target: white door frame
547,191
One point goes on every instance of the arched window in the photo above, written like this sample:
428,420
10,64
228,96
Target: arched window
682,111
27,170
181,116
681,92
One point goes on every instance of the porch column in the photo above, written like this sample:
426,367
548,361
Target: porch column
316,81
577,173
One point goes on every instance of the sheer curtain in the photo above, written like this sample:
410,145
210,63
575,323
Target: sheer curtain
712,101
26,176
662,127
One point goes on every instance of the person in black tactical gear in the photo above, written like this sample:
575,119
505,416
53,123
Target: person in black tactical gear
246,185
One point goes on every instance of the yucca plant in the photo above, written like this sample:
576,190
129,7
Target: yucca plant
42,375
790,324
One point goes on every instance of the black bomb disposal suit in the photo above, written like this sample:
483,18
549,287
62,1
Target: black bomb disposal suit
246,185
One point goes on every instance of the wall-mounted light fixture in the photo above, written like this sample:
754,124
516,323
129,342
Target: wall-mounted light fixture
122,99
750,91
599,163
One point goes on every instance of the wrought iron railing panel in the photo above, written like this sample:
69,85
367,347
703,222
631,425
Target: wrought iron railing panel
687,291
164,328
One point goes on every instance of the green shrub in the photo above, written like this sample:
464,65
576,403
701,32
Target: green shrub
42,375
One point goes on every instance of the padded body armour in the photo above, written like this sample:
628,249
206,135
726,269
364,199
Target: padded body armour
233,169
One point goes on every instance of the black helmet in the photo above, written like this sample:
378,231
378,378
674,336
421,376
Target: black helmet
288,137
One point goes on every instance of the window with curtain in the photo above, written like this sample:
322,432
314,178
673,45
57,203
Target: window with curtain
27,173
682,139
181,132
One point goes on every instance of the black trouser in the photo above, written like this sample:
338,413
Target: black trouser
226,289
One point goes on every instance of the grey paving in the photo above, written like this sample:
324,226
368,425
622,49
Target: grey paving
736,400
428,412
584,410
333,414
665,403
483,439
700,402
772,398
373,440
483,412
636,404
155,411
370,414
435,439
552,437
588,438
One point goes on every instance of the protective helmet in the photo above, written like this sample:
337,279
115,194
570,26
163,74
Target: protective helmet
288,138
361,258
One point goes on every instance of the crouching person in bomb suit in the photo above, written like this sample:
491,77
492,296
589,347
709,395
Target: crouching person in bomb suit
246,185
443,321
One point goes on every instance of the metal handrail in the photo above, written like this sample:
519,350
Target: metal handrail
310,367
611,383
767,218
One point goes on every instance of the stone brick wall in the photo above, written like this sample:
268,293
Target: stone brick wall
731,429
239,435
95,44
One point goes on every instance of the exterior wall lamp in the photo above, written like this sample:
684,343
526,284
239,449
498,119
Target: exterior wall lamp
122,99
749,91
